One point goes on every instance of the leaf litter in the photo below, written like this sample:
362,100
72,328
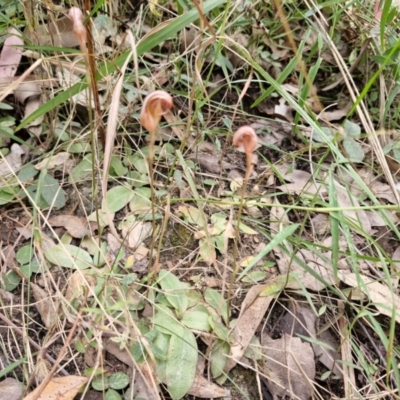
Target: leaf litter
188,313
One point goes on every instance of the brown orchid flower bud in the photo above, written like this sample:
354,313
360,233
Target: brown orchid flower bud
246,137
155,105
79,30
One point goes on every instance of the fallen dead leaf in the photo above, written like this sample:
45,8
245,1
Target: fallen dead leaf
301,319
12,161
203,388
251,314
45,305
11,389
289,366
11,54
63,388
380,295
283,110
137,232
53,161
55,33
78,283
77,227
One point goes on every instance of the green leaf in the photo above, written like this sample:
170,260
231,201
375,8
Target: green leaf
254,276
24,254
215,300
32,268
197,318
141,201
52,193
5,197
117,167
354,150
100,383
112,395
174,290
329,135
218,357
166,321
69,256
27,172
181,364
82,170
352,130
10,281
118,197
118,381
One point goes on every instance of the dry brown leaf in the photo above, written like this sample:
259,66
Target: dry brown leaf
11,389
383,191
251,313
283,110
289,367
336,114
58,34
203,388
302,320
12,161
78,284
11,54
53,161
137,233
380,295
208,162
77,227
63,388
320,224
346,199
45,305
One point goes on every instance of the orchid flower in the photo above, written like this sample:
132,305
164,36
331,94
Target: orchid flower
246,137
155,105
78,28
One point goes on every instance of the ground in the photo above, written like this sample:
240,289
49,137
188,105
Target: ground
177,258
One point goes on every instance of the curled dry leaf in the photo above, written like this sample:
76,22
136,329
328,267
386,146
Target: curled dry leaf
12,161
45,305
11,54
203,388
32,104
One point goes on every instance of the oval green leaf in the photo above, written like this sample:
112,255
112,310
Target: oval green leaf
69,256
